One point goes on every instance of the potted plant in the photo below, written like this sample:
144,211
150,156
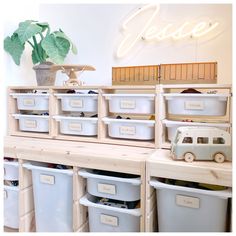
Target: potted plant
47,48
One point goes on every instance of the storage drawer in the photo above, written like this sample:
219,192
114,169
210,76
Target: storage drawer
77,125
11,207
130,129
131,103
78,102
196,104
32,101
11,170
109,186
173,125
191,209
33,123
53,200
110,219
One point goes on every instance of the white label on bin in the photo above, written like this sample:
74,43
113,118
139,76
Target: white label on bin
127,104
29,102
30,123
76,103
186,201
107,188
128,130
194,105
109,220
75,127
47,179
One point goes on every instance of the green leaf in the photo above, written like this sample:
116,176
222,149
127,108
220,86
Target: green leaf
61,34
43,25
35,57
56,48
38,54
27,29
14,47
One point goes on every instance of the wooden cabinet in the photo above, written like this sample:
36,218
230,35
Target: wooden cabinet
148,159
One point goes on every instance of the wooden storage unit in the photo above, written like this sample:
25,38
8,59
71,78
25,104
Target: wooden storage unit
79,155
102,111
13,124
163,114
161,165
105,113
97,152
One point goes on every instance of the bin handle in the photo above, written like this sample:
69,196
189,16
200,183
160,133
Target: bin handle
227,193
134,181
84,201
29,166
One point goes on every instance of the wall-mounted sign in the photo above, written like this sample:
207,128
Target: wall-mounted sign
146,29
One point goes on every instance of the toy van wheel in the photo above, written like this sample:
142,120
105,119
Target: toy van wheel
219,157
189,157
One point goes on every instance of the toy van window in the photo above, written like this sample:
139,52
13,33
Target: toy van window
188,140
202,140
177,137
218,140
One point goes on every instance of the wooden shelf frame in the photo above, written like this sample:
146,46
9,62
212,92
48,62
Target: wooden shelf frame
161,165
55,109
130,160
160,140
146,162
161,130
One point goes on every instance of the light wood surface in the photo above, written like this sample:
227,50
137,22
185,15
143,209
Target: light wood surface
79,155
160,164
101,156
102,152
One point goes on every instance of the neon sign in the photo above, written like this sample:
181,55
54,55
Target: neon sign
149,32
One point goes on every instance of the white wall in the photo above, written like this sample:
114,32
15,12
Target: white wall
96,30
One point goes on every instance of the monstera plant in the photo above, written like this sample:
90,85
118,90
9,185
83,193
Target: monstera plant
47,47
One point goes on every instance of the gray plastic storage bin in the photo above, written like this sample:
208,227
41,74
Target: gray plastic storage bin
53,199
187,209
124,189
33,123
196,104
78,102
110,219
84,126
131,103
11,207
32,101
130,129
11,170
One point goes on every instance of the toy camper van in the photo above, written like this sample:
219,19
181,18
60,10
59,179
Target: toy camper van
201,143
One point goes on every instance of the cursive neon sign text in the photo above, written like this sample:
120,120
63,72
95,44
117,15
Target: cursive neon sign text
149,32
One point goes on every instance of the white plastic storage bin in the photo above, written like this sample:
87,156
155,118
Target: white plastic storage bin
53,199
110,219
31,101
78,102
130,129
109,186
33,123
11,207
196,104
186,209
77,125
173,125
11,170
131,103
